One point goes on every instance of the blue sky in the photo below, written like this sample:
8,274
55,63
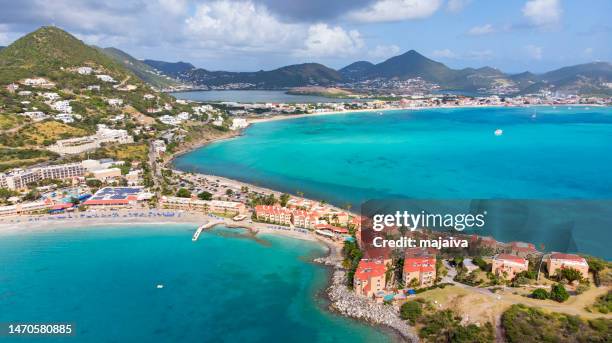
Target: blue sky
512,35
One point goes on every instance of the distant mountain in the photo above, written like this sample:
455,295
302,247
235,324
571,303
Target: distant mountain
356,70
289,76
2,47
590,78
141,69
174,69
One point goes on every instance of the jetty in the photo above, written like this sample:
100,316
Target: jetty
203,227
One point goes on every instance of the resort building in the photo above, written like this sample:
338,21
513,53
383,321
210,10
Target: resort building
274,214
84,70
106,174
369,277
508,265
118,197
419,269
82,144
19,178
305,219
558,261
25,208
216,206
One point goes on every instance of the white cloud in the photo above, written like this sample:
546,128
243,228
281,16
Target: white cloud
384,51
543,12
396,10
481,30
324,40
246,26
534,52
240,24
457,5
444,53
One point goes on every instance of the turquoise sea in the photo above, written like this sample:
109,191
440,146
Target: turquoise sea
227,287
561,153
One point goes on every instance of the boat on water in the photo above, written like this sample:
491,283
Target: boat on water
160,286
534,114
499,132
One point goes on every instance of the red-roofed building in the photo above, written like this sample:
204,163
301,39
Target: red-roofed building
419,268
305,219
273,214
369,277
557,261
508,264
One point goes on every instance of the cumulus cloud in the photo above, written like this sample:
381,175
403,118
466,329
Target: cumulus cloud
481,30
534,52
395,10
457,5
240,24
543,12
384,51
324,40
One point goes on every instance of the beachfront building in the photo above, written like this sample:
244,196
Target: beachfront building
274,214
20,178
558,261
508,265
25,208
369,277
419,269
111,197
82,144
305,219
215,206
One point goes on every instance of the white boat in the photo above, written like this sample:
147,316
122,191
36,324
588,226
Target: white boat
160,286
380,113
499,132
534,115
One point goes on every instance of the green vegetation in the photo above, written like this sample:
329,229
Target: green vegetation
570,274
14,158
411,311
352,255
284,198
205,195
183,193
558,293
443,326
540,293
523,324
603,304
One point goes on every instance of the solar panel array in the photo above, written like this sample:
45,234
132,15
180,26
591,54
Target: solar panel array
115,193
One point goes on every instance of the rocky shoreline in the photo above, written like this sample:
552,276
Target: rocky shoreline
345,302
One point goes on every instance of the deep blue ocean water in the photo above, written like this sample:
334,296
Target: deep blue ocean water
226,287
562,153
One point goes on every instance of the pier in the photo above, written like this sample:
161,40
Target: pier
203,227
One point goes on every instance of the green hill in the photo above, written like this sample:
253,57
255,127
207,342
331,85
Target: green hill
46,51
304,74
141,69
55,55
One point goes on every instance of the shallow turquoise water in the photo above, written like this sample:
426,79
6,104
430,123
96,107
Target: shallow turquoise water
223,288
428,154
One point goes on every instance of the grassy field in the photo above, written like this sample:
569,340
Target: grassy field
47,132
132,152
